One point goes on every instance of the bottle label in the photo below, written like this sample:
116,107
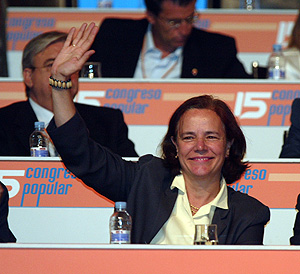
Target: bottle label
276,74
39,152
120,237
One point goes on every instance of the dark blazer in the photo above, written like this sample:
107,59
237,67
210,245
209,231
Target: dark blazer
291,146
106,126
145,185
119,42
5,234
295,240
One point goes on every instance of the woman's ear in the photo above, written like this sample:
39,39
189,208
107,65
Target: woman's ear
175,144
173,141
228,146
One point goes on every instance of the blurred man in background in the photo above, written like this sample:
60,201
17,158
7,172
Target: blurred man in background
165,44
106,125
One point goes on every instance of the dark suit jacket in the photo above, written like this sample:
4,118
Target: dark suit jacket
295,240
5,234
145,185
291,147
119,42
106,126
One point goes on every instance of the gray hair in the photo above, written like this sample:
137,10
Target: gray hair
39,44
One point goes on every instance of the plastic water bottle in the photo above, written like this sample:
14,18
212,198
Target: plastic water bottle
276,64
39,142
120,225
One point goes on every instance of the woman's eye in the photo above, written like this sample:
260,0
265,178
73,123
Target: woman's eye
212,137
188,138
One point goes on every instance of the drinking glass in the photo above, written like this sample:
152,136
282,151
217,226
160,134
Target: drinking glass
91,70
206,235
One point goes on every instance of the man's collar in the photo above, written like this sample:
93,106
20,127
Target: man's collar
41,113
150,46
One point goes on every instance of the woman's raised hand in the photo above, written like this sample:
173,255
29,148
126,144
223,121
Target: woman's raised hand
75,52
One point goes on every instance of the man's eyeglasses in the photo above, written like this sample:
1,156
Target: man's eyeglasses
46,67
176,23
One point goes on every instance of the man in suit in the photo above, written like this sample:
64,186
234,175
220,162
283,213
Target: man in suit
165,45
106,125
5,234
291,146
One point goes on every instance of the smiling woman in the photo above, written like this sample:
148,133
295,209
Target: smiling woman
202,151
205,152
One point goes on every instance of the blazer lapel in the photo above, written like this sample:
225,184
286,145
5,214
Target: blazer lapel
133,48
163,211
220,219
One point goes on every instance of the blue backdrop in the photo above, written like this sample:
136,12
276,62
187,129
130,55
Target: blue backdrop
133,4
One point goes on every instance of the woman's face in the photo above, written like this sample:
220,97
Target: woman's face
201,145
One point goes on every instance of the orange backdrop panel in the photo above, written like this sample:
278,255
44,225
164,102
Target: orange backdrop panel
262,103
254,31
49,184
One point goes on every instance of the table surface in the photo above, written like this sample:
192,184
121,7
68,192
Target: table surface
105,258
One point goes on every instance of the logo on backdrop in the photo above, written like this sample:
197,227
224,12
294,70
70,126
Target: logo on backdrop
33,187
49,184
257,108
274,105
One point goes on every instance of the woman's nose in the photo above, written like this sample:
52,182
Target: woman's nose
200,144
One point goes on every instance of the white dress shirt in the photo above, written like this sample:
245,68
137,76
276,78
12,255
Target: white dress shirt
180,227
42,114
152,65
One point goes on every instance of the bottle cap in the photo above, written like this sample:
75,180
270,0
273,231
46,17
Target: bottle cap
39,124
277,47
120,205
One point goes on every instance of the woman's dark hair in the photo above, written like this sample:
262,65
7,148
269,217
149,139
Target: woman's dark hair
154,6
233,167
